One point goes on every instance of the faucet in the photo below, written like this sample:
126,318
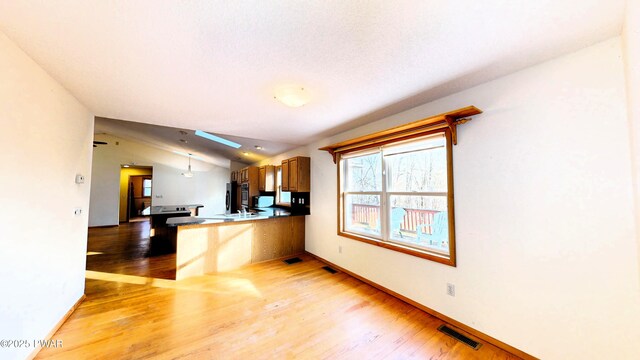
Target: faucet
244,210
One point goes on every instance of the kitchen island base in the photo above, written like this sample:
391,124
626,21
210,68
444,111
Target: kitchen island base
209,248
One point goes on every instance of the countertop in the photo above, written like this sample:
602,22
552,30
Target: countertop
170,209
259,214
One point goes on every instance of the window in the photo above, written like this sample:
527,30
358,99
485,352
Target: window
395,186
398,194
146,187
282,197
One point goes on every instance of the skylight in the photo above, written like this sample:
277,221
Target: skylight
217,139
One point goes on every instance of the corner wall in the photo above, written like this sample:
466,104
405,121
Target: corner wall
631,46
206,187
545,230
46,137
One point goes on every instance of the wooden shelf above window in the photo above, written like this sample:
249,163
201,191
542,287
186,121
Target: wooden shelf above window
449,120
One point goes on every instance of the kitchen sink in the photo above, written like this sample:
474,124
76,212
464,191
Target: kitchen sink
241,215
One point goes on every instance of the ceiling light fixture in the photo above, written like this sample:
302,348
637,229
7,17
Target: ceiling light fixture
245,153
292,95
188,174
217,139
258,147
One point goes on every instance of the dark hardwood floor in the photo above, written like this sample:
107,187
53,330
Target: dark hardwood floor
269,310
123,250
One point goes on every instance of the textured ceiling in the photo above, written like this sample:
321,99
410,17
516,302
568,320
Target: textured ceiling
214,65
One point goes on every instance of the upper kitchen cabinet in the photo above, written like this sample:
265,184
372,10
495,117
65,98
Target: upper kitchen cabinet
249,174
234,175
296,174
267,179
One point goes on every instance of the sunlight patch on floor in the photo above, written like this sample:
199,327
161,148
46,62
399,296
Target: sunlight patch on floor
207,283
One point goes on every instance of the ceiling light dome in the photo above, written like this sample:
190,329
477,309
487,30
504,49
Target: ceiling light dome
292,95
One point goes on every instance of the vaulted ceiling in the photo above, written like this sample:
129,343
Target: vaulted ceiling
215,65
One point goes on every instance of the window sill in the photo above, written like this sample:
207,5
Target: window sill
446,260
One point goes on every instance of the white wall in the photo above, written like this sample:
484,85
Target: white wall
547,259
46,139
631,43
206,187
235,166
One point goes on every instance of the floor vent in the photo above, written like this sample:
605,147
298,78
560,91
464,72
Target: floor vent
456,335
330,269
292,260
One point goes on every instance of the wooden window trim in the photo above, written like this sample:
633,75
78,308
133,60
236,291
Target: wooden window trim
444,123
449,120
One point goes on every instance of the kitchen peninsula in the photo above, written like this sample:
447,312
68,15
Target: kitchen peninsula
227,242
160,235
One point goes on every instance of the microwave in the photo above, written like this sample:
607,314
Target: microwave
263,201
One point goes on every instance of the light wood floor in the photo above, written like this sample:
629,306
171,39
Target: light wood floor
269,310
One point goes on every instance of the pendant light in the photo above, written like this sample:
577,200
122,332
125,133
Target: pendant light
188,174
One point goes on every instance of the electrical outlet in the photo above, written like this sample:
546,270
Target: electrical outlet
451,289
339,249
77,211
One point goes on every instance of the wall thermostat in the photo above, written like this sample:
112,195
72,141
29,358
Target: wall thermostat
79,179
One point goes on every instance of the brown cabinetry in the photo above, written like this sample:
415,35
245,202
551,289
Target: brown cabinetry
209,248
296,174
267,178
285,175
249,174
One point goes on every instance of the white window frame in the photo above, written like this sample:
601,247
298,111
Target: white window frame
385,239
279,188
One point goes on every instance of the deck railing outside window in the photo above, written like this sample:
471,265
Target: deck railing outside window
368,216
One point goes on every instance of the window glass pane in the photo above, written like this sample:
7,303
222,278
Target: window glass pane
420,221
283,196
362,214
363,173
146,187
417,166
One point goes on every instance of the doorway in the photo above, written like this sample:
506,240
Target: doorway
136,187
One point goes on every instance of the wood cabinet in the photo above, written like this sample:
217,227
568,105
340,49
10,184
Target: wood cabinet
234,176
296,174
276,238
285,175
209,248
249,174
267,178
